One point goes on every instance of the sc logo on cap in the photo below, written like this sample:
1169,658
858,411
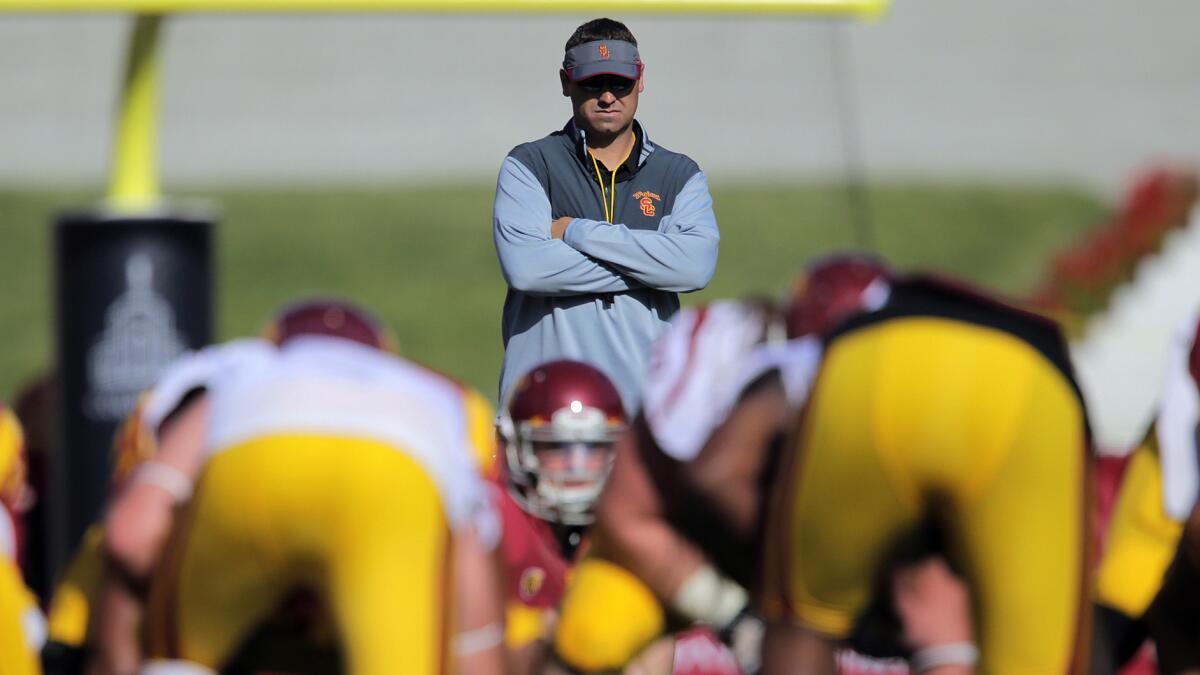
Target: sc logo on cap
603,51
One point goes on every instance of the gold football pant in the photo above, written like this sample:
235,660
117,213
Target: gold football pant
1141,538
919,416
359,522
17,608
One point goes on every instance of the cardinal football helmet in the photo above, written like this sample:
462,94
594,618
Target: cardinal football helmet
331,317
834,288
560,425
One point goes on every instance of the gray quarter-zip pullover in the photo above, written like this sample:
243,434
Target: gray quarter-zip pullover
606,290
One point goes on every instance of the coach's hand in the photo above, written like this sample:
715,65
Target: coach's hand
559,227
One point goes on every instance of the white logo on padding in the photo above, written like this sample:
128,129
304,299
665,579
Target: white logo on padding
138,341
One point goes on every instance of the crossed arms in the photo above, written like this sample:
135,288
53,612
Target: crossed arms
598,257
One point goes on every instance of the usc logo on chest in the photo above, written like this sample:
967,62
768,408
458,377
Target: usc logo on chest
646,201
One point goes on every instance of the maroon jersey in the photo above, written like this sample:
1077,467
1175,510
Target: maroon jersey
535,570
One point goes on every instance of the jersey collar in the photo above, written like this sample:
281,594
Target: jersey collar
642,149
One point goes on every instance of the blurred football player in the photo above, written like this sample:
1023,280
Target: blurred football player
77,595
1142,587
333,466
947,405
1140,542
716,368
939,404
22,626
558,427
14,490
1154,546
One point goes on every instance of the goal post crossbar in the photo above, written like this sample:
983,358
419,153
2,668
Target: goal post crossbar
832,8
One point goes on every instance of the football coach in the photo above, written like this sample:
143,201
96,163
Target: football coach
597,227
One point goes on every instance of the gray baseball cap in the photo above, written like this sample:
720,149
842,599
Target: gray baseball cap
603,57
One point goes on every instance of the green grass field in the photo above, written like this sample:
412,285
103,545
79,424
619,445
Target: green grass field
422,257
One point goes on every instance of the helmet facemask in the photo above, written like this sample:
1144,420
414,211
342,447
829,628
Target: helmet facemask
560,466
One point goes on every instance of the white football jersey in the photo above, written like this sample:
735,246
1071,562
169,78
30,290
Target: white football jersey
1178,413
703,362
330,386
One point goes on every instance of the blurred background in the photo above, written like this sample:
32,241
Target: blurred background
356,156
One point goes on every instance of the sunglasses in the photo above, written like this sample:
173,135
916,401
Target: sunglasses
619,86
